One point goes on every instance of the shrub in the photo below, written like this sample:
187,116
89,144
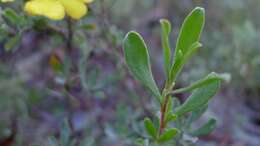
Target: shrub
172,125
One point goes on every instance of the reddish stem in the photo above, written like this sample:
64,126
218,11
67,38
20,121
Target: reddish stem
163,112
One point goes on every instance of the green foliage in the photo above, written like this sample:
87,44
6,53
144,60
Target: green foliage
12,28
150,128
187,42
232,46
205,129
166,30
173,123
203,91
65,137
168,135
138,61
171,113
13,19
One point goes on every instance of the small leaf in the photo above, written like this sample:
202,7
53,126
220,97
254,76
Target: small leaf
169,112
166,30
200,97
212,77
168,135
138,61
189,34
192,49
40,24
206,128
181,59
12,18
139,142
150,128
142,142
178,63
3,32
171,117
12,42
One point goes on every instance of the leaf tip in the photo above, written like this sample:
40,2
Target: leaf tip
199,10
132,33
164,21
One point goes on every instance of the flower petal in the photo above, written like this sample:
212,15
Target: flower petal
76,9
6,1
87,1
52,9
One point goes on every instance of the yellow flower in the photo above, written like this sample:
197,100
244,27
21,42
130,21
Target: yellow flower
57,9
6,1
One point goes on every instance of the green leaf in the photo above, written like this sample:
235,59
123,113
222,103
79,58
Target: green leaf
212,77
181,59
195,115
193,48
40,24
142,142
169,111
166,30
189,34
3,32
12,18
138,61
12,42
168,135
171,117
200,97
150,128
206,128
139,142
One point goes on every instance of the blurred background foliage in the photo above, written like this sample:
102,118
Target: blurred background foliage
41,86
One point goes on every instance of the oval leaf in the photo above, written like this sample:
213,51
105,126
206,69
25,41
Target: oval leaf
168,135
212,77
206,128
189,34
138,61
166,30
198,98
150,128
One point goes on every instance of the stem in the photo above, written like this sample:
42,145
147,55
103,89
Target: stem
164,106
70,36
163,113
181,90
